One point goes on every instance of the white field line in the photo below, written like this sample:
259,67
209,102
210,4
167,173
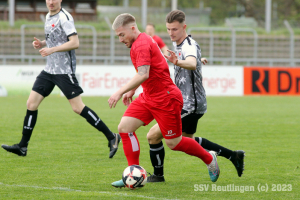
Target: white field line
82,191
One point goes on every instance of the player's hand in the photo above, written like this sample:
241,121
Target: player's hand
113,99
127,98
46,51
204,61
37,44
172,58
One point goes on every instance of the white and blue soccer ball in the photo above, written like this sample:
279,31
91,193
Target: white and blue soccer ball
134,177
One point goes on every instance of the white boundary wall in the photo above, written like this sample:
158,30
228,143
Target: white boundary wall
223,81
105,80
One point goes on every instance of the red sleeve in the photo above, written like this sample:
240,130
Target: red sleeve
143,55
159,41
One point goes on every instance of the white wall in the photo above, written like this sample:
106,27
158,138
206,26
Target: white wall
105,80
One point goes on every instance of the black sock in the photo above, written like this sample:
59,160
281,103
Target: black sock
28,125
157,156
206,144
96,122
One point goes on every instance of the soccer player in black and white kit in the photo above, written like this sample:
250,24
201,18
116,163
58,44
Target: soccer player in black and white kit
188,78
61,41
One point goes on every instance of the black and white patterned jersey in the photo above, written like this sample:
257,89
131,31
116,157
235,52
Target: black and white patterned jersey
190,81
58,29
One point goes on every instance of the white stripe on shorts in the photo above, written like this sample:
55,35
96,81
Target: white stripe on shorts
70,76
134,142
186,114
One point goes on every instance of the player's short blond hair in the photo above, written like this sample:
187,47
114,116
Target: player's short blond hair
123,20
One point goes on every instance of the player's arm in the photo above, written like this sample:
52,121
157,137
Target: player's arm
204,61
37,44
189,63
73,43
127,97
165,49
137,80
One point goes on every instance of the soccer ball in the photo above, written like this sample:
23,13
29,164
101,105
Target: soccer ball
134,176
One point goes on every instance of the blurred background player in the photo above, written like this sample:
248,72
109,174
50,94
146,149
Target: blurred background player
160,99
188,78
61,41
150,30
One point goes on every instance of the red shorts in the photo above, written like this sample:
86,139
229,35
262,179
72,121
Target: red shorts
167,116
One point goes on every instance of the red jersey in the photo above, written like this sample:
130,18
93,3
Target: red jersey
159,88
159,41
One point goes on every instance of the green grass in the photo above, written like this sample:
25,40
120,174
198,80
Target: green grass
68,159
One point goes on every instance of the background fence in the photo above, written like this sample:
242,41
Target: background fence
222,46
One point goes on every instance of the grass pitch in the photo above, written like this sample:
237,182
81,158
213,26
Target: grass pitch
68,158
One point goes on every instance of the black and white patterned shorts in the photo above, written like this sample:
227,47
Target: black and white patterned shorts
189,121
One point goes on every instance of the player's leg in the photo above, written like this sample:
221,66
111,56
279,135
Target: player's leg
170,125
135,116
131,146
30,119
189,127
68,84
42,87
157,154
236,157
191,147
93,119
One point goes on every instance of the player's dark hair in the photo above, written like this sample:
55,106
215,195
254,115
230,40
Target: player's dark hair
175,15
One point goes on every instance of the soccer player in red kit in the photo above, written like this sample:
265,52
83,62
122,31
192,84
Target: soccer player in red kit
161,99
150,30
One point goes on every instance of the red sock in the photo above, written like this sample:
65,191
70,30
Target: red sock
131,148
193,148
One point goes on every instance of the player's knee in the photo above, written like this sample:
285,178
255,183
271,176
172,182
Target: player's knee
31,105
122,128
171,144
149,137
76,110
153,137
